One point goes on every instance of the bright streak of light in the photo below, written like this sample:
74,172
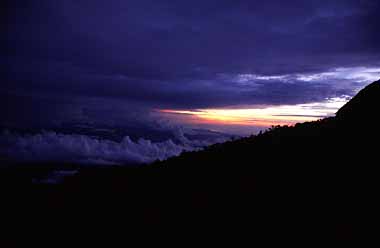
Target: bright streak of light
265,117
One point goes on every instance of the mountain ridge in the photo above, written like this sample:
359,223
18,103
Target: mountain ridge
349,123
363,105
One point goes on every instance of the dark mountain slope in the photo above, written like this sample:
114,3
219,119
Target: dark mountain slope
316,182
356,121
353,129
364,107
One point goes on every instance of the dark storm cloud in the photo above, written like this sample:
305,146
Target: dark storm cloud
180,54
216,91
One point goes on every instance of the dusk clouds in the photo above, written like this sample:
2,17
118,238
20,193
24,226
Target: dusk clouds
117,61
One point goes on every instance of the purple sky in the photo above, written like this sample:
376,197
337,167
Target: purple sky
121,61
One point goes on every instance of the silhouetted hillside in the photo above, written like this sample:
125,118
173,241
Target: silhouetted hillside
316,182
355,123
363,109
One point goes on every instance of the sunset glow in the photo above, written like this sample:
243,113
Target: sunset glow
262,117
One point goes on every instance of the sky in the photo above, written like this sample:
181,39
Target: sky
230,66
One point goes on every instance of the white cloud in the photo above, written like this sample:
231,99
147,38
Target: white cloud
359,74
243,78
51,146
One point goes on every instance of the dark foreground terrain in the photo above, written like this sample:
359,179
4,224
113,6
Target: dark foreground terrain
314,183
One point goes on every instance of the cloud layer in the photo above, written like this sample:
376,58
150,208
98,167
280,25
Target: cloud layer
56,147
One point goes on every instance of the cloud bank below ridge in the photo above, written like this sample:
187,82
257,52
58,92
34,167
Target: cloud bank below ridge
75,148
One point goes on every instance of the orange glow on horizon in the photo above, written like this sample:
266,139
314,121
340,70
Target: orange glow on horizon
201,117
261,117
